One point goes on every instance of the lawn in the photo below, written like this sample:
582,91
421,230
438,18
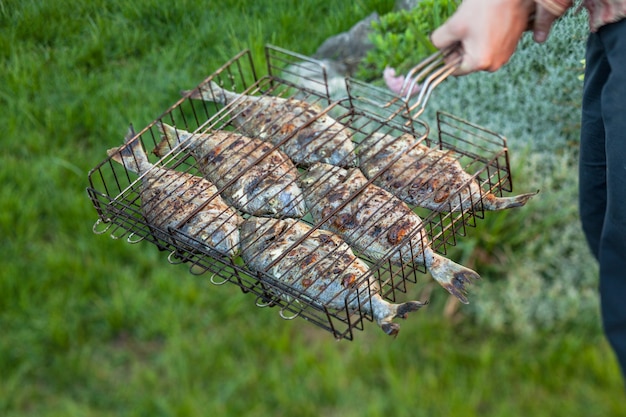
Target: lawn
94,326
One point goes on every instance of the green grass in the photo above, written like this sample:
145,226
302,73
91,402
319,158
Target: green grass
92,326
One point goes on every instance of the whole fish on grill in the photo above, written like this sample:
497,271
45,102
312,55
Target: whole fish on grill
264,181
310,135
377,224
319,265
168,197
427,177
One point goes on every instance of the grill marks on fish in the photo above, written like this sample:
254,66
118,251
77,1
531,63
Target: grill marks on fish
256,178
301,129
427,177
319,265
181,202
368,221
377,224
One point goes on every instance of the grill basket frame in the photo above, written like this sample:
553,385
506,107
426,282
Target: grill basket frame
115,191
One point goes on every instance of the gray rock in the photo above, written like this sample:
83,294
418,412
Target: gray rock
310,75
405,4
347,49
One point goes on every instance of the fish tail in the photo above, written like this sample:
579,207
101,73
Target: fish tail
502,203
208,92
170,138
131,154
451,276
384,313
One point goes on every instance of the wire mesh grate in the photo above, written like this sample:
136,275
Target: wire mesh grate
145,190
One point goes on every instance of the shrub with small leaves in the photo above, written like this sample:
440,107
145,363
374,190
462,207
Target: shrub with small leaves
400,38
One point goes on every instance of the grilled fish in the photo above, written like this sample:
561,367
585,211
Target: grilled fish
168,197
427,177
302,130
258,180
320,266
377,224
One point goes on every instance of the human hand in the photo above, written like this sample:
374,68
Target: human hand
542,24
488,32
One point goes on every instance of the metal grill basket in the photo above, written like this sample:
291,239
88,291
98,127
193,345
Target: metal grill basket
364,110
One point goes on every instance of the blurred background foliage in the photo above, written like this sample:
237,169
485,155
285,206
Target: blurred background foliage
92,326
400,38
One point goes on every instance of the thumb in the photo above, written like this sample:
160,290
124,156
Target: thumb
444,36
543,24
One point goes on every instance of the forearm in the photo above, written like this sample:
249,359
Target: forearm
555,7
487,30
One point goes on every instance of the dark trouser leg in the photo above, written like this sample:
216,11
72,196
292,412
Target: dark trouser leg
603,174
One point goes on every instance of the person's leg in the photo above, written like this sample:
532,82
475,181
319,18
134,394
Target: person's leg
613,240
592,164
603,175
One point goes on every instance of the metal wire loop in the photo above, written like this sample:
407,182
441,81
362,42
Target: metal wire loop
132,241
262,304
214,282
173,258
98,222
427,66
430,72
282,314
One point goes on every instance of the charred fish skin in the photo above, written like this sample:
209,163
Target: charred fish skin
377,224
168,197
310,135
321,266
426,177
265,179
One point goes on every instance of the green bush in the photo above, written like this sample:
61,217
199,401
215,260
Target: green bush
400,39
